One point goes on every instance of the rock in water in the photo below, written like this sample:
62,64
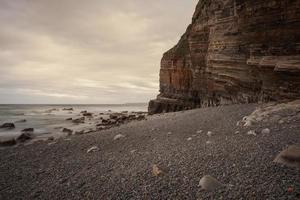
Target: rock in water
21,121
8,125
7,143
290,156
79,120
119,136
209,183
68,109
68,131
28,130
24,137
233,52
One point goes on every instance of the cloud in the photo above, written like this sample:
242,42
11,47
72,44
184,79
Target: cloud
102,51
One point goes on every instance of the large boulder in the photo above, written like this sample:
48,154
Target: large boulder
290,156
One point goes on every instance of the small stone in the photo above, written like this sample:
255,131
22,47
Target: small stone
189,139
68,131
208,142
92,149
133,151
209,133
156,171
248,123
266,131
51,143
281,122
79,132
119,136
169,133
51,138
290,190
237,132
209,183
199,132
251,132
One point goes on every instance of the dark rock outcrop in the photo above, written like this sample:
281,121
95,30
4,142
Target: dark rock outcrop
25,137
8,143
28,130
235,51
8,126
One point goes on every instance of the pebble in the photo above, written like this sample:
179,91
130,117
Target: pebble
156,171
209,183
133,151
208,142
93,149
189,139
248,123
209,133
119,136
199,132
251,132
266,131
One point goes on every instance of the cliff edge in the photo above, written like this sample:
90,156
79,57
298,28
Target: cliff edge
234,51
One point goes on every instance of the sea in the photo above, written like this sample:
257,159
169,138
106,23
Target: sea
49,120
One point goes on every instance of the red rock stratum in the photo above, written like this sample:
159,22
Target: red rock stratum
234,51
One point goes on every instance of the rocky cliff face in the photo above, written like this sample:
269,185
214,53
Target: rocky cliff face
235,51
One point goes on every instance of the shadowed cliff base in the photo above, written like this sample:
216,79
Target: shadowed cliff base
209,153
233,52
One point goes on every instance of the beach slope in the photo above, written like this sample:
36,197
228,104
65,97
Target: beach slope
163,157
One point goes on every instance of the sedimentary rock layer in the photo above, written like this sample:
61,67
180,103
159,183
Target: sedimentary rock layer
234,51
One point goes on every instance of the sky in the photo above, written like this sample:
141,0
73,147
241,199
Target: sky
86,52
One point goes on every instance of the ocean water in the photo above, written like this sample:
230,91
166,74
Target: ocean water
48,120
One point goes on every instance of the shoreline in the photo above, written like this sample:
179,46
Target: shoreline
60,122
178,144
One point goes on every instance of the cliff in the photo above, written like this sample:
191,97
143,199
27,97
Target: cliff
234,51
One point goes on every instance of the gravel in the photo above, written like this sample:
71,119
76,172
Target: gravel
122,169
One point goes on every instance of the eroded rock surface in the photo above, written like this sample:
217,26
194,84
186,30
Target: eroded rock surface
234,51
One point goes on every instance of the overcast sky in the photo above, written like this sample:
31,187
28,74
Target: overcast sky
86,51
